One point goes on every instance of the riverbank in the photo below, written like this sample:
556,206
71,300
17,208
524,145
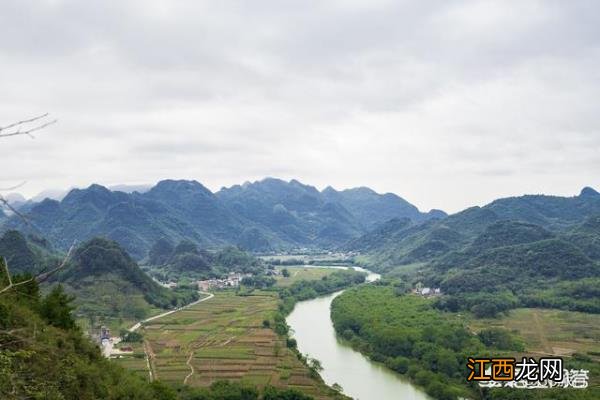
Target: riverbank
360,378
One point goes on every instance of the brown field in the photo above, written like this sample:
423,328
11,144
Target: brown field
223,339
551,332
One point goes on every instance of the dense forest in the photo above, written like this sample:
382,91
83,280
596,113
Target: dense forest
411,336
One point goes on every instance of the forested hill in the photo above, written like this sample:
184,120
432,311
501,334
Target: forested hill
508,221
267,215
546,249
26,254
107,281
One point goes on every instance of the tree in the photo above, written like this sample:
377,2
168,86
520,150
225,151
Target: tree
56,308
285,273
314,366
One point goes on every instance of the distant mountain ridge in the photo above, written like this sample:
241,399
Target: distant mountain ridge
524,244
271,214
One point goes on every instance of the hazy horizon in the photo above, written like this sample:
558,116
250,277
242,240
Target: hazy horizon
447,104
115,186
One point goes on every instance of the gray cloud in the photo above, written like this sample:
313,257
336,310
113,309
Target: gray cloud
448,104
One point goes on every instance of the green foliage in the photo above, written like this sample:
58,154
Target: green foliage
482,305
579,295
500,339
131,337
56,308
187,261
408,334
44,356
160,252
259,281
304,290
108,282
25,254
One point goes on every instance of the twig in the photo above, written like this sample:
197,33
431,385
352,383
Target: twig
15,211
39,278
13,187
20,124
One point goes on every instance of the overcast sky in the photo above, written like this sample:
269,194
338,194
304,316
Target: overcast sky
446,103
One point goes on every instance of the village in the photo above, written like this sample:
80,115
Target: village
232,280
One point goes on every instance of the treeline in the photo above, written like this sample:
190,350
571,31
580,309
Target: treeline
579,295
582,295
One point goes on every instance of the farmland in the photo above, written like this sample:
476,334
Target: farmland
223,339
550,331
299,273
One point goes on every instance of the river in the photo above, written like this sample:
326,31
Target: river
359,377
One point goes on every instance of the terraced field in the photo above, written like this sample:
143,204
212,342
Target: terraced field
223,339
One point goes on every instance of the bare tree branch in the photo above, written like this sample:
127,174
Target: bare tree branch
40,277
13,187
22,130
15,211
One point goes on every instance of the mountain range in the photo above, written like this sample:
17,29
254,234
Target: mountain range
266,215
544,249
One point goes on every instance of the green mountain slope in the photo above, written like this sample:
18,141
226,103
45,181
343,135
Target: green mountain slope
262,216
108,282
372,209
23,254
531,247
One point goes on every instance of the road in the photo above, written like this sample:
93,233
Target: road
139,324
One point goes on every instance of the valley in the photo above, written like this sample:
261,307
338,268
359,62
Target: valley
517,277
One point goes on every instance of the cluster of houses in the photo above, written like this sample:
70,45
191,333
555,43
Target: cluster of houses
233,279
426,291
108,344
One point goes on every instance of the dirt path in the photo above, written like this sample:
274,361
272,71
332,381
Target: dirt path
150,360
540,333
189,364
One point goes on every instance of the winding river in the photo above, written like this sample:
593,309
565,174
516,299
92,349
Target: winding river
359,377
